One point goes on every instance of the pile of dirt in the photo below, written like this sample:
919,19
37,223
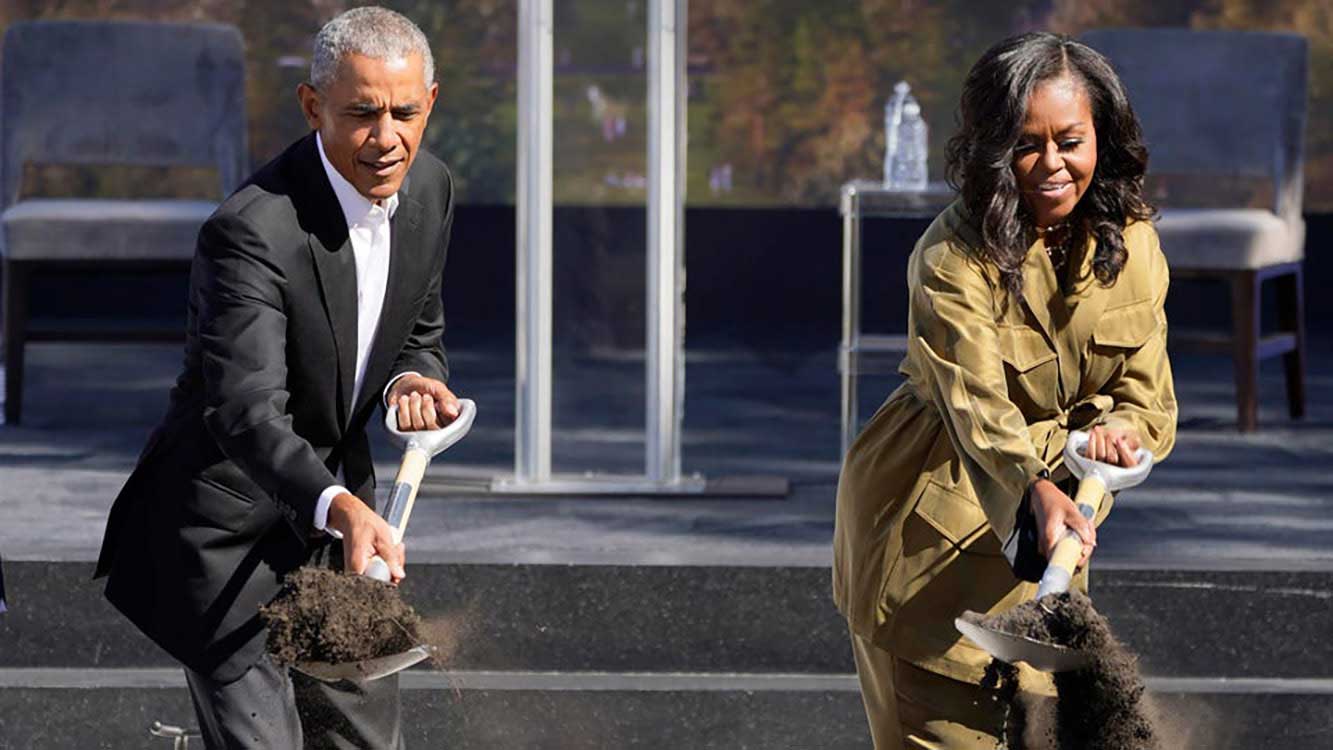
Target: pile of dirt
1100,707
1003,678
327,616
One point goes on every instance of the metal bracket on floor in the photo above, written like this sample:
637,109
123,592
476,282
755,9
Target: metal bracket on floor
180,736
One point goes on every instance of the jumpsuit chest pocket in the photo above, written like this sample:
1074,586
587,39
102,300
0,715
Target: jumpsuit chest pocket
1024,349
1030,368
1126,327
1120,333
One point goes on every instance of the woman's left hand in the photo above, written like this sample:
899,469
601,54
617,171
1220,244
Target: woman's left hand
1113,445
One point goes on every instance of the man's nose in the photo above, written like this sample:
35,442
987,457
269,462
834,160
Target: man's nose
383,132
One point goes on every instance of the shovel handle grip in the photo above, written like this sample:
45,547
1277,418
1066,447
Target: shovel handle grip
1064,558
433,442
377,569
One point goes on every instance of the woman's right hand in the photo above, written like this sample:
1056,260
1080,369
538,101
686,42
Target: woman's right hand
1054,512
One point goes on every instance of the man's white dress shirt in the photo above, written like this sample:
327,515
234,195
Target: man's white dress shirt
368,231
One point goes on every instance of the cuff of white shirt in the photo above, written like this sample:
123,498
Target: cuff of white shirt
384,397
322,509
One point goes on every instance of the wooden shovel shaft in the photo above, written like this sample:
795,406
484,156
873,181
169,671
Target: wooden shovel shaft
404,493
401,499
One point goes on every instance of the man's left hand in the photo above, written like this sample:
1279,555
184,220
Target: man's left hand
423,403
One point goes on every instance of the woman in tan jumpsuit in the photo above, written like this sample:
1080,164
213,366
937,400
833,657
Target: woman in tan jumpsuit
1036,308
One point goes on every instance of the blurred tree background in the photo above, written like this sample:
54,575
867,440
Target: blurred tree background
786,96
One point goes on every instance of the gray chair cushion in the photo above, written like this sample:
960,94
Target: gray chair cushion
1229,238
88,229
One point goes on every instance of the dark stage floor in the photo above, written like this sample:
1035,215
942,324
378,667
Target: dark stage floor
1223,500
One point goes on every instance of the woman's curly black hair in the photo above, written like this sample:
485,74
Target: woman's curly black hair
980,156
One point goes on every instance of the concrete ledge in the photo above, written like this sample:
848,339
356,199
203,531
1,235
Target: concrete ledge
703,619
60,708
58,678
460,716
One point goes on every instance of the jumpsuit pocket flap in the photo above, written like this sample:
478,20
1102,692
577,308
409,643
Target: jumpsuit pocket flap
957,518
1024,348
1127,326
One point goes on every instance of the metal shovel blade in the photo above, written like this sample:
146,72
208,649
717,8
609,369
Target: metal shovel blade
366,669
1007,647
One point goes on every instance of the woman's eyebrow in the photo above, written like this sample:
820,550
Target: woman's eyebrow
1073,128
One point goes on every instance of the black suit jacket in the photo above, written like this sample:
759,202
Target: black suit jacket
221,503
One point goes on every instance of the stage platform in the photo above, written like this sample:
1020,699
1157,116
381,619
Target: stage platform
673,622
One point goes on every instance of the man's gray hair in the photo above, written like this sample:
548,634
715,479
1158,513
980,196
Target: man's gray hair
377,33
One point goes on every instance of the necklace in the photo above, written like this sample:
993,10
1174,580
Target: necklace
1057,254
1056,240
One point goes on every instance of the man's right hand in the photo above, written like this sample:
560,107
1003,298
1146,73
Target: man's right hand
365,534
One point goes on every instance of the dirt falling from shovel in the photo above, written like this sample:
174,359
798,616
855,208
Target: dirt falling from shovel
1100,707
327,616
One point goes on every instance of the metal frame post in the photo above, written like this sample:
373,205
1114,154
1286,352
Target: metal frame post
848,354
533,214
665,370
665,296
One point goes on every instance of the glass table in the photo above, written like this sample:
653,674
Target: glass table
861,353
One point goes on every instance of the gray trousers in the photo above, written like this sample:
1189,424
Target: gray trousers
271,707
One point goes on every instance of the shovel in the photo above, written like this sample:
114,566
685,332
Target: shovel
419,447
1095,480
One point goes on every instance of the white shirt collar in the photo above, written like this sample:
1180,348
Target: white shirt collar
355,206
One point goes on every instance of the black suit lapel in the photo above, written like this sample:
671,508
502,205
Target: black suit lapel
405,271
336,270
335,264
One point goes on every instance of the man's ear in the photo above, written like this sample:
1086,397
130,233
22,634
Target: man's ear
308,97
431,93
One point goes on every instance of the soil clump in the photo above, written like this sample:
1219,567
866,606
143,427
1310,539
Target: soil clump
333,617
1102,706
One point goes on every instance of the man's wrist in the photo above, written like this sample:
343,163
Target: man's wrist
392,382
322,509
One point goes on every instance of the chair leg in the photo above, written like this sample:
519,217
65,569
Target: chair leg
1245,347
1291,317
15,330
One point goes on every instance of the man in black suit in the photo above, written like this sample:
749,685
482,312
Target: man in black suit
314,295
